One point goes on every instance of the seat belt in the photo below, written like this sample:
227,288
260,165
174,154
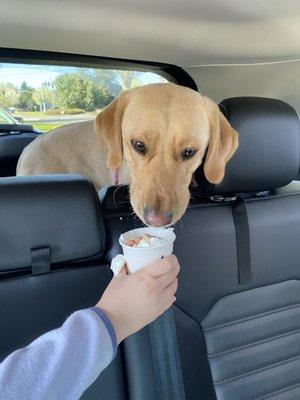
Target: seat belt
165,357
242,232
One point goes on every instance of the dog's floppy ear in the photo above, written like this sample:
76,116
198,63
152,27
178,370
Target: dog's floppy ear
108,126
223,143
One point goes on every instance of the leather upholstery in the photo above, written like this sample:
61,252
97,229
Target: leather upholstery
242,331
206,249
11,147
268,152
209,293
33,305
61,211
57,211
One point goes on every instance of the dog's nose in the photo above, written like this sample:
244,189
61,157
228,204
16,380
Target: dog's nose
155,218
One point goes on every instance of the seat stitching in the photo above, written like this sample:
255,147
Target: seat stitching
246,346
251,317
279,391
255,371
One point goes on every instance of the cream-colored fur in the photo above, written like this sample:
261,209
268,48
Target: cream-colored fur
167,119
73,148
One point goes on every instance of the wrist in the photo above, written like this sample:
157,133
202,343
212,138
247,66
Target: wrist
114,321
108,325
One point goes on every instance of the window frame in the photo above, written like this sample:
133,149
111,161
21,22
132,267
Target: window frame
171,72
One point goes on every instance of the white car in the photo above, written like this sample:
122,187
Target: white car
6,118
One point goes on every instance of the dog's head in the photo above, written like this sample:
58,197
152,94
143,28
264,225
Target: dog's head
163,132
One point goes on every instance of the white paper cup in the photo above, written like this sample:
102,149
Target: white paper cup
138,257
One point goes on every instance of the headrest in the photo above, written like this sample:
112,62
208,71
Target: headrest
55,212
269,143
11,146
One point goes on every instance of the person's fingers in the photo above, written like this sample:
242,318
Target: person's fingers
170,291
169,303
161,267
168,278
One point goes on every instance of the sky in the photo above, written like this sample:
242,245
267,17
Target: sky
35,75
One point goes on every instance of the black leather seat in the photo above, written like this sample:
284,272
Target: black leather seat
236,342
60,213
242,342
11,147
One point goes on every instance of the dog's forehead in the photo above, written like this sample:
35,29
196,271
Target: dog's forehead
166,106
164,96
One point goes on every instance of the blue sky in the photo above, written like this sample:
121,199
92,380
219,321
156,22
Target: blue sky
35,75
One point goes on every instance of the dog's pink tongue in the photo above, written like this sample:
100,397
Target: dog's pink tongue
115,176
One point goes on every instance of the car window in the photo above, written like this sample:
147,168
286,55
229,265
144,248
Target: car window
47,96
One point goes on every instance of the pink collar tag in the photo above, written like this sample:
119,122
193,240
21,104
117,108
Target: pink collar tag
115,176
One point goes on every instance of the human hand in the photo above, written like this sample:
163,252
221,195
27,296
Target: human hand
133,301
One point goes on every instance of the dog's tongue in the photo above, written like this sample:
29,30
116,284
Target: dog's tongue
115,176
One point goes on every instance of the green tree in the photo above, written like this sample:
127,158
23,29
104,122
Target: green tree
70,90
75,91
101,96
112,81
43,95
8,95
107,79
25,100
130,79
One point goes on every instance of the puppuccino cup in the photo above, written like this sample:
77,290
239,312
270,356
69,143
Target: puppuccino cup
138,256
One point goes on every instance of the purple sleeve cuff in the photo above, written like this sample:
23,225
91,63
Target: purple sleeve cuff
109,328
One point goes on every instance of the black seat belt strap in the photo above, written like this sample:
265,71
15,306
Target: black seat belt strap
241,223
40,260
166,359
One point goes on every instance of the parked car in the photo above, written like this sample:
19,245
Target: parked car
6,118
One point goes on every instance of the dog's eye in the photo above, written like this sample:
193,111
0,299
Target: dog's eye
139,146
188,153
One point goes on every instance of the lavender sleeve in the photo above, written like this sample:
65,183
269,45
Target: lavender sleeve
62,363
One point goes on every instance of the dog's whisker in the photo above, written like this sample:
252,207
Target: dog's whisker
123,202
115,192
179,224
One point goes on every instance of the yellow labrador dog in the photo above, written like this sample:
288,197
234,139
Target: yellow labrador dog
153,137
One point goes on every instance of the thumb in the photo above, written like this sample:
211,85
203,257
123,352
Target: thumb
117,265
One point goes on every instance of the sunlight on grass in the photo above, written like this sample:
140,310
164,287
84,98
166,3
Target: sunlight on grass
24,114
46,127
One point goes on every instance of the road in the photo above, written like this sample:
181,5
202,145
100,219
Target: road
57,119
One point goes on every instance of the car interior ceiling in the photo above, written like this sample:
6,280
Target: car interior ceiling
238,339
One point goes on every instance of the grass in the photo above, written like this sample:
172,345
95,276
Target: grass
45,127
29,114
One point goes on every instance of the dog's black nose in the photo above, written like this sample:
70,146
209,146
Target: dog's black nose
155,218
